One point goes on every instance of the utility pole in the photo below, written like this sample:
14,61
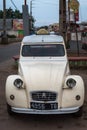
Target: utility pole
31,8
69,12
26,19
4,17
62,18
25,2
31,17
4,37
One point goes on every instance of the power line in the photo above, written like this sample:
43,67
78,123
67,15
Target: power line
55,1
46,2
14,4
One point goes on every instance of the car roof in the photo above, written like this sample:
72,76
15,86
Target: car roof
32,39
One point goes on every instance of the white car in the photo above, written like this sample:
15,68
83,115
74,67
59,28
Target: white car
44,84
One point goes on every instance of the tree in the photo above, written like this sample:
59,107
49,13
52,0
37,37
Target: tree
17,14
1,14
10,14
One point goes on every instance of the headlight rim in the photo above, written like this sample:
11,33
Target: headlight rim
20,84
71,83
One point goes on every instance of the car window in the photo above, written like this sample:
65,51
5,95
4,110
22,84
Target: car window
43,50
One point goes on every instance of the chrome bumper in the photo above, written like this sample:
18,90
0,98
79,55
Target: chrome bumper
58,111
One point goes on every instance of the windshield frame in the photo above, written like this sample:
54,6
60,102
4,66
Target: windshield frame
44,48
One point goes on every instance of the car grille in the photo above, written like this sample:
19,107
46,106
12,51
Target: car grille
43,96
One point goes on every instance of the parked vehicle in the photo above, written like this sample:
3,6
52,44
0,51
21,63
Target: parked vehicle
44,84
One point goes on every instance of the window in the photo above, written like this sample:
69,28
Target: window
43,50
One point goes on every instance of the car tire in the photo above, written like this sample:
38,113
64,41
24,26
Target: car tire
10,112
79,113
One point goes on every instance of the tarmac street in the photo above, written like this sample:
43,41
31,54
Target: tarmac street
8,51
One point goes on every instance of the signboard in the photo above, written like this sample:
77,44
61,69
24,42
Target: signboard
74,4
77,16
8,24
18,24
73,36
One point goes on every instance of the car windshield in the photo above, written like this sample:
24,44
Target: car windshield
43,50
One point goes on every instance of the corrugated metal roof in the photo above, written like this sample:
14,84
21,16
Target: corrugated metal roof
42,38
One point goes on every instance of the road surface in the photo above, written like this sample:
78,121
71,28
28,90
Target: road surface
8,51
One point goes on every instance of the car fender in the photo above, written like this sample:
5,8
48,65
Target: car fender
19,95
70,96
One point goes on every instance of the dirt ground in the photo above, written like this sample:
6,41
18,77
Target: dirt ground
37,122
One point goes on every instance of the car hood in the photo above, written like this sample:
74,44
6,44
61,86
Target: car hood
43,76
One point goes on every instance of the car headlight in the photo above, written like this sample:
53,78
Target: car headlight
18,83
71,83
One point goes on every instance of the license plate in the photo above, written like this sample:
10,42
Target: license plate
44,106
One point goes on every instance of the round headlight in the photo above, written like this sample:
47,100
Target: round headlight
71,83
18,83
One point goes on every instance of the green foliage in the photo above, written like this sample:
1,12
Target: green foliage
17,14
1,14
10,13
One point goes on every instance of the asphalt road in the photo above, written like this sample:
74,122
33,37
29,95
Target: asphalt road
8,51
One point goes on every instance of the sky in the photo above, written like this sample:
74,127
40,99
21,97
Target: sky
45,11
